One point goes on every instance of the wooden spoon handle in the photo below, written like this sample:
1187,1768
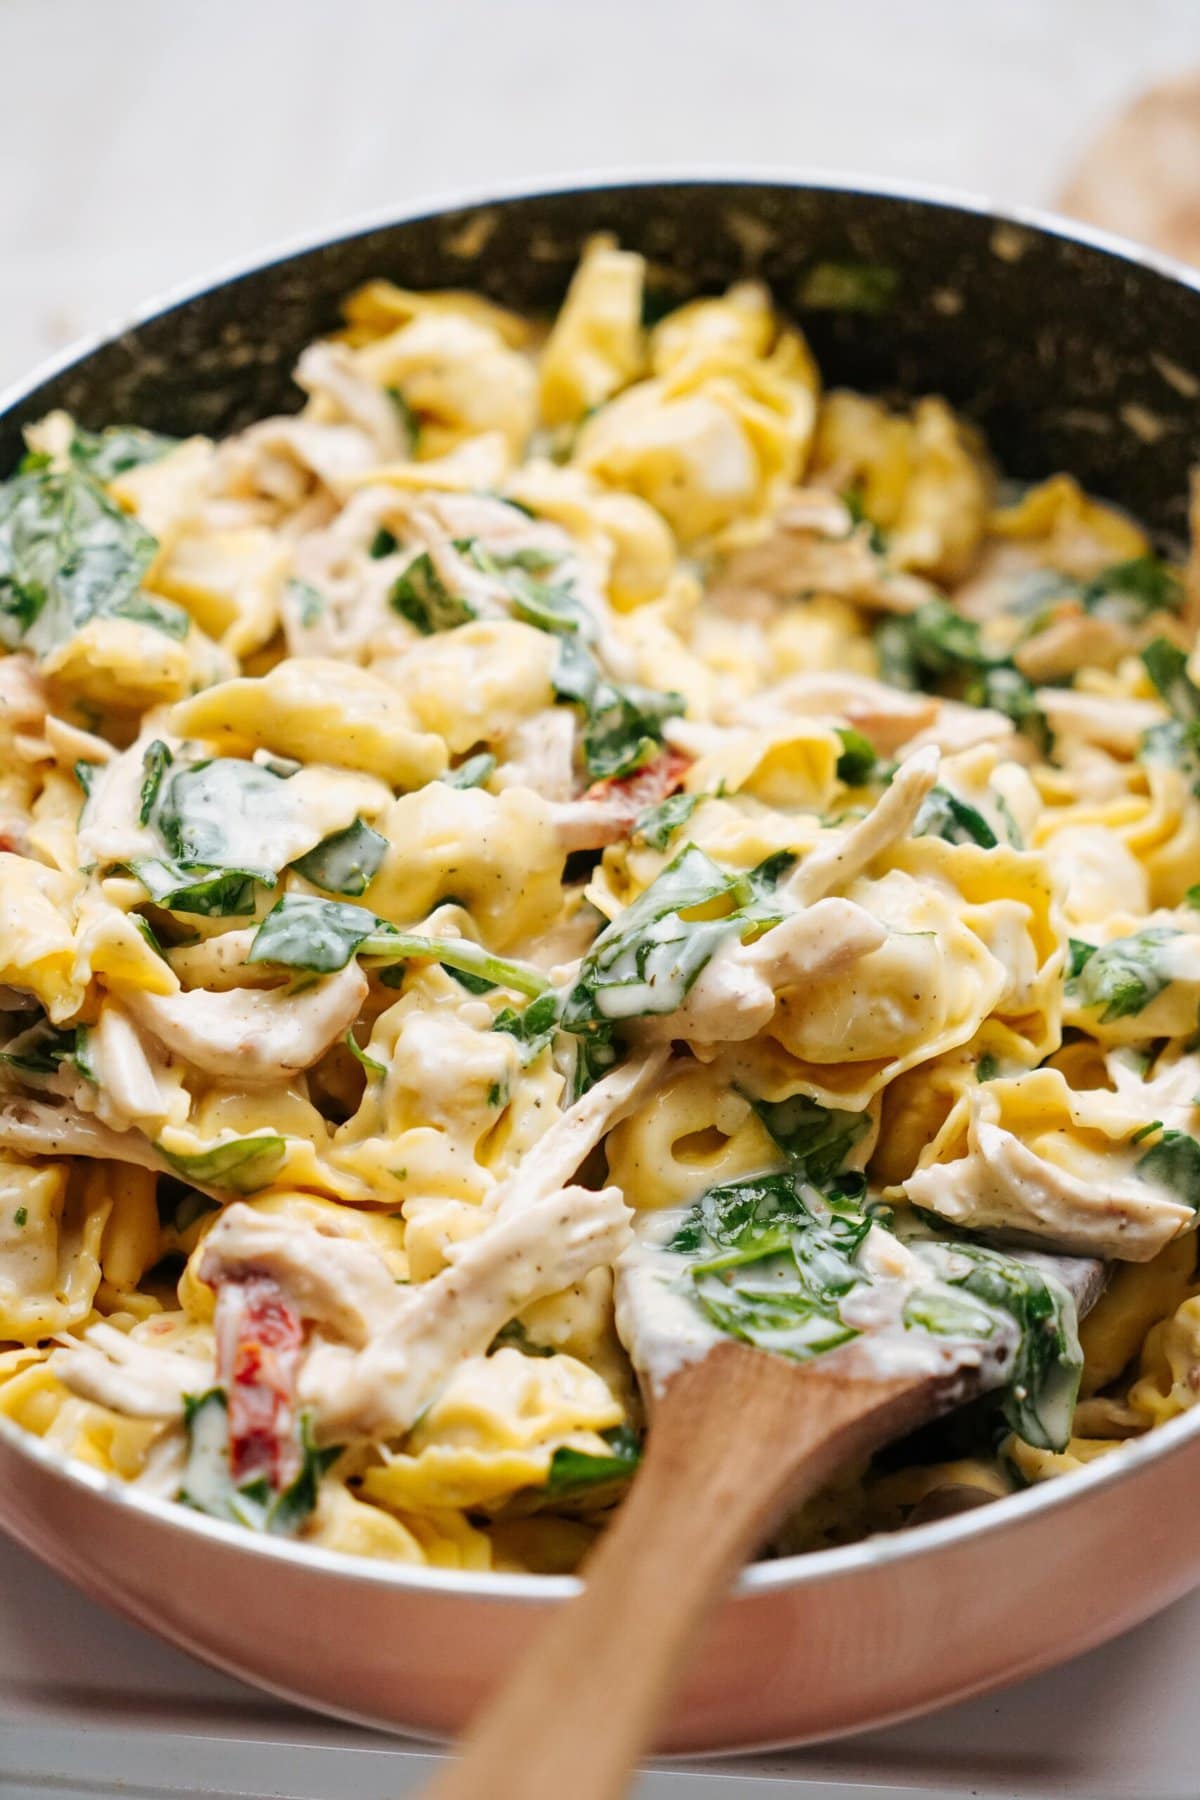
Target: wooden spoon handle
734,1437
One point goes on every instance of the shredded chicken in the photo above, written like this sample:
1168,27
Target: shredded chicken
251,1034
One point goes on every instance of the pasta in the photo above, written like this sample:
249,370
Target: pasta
577,801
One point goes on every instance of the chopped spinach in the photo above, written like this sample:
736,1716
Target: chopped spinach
1131,591
574,1472
194,888
383,543
1079,955
107,454
622,726
208,1484
303,931
1123,977
857,763
375,1070
944,815
816,1139
1173,1163
69,555
534,1027
155,763
237,1166
44,1048
472,773
422,597
1043,1379
772,1262
514,1336
646,961
658,824
936,647
347,862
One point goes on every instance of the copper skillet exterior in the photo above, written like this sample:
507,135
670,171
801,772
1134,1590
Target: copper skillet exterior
1071,351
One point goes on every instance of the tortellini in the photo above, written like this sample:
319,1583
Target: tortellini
574,792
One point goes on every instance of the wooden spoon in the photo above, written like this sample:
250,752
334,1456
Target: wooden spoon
739,1436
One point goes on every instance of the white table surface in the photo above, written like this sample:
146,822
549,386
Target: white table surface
146,142
90,1705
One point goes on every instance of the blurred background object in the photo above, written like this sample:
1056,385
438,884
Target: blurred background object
1142,175
148,143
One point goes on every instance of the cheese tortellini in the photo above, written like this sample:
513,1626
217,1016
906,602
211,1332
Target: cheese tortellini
573,786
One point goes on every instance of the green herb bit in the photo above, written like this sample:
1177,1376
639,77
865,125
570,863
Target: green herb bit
21,1217
1131,591
384,543
514,1336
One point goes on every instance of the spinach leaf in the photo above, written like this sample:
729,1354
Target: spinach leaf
1174,1163
646,961
303,931
947,1315
944,815
658,824
383,543
816,1139
1123,977
534,1027
68,555
1079,955
574,1472
43,1048
1043,1381
422,597
936,647
208,1484
224,814
549,606
472,773
155,763
514,1336
85,774
208,892
856,765
374,1069
1166,665
622,726
769,1268
347,862
1131,591
237,1166
109,453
